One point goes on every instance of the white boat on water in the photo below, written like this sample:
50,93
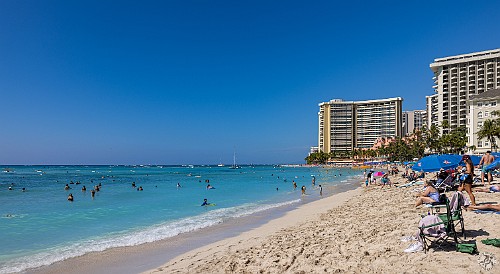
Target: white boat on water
234,166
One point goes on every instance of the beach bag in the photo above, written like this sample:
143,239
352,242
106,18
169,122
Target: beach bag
494,242
463,177
467,248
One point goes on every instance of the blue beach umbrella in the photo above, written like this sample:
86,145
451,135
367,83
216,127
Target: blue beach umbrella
494,165
435,162
475,160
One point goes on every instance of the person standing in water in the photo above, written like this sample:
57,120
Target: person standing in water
313,181
303,190
320,190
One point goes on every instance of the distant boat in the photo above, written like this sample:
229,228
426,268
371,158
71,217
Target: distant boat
234,166
221,164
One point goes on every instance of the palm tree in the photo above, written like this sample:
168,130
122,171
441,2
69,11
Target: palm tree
489,130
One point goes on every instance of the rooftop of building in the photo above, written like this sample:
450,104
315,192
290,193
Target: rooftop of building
340,101
469,57
489,94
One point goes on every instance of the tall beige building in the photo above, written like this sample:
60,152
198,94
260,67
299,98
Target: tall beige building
345,125
412,120
456,78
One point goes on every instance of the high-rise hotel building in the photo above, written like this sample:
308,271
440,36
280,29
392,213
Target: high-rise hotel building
456,79
412,120
345,125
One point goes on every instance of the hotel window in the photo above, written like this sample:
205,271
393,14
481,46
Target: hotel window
479,124
480,144
479,104
493,103
486,144
480,114
486,113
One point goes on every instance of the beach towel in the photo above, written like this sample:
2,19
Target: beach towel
493,242
437,231
478,211
458,200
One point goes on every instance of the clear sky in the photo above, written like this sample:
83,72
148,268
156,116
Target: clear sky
190,82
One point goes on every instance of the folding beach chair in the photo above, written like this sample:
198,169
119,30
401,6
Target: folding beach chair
455,208
446,184
434,231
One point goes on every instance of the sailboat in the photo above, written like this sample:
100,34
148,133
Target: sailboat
234,166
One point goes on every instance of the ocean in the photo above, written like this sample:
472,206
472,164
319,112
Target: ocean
39,226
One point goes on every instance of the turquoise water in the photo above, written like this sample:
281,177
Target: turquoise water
39,226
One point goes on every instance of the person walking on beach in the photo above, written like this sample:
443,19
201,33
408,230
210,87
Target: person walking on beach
466,182
486,160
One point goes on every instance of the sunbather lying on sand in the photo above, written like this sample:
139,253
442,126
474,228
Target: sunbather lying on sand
494,188
495,207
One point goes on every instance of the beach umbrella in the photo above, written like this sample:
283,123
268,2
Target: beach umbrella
494,165
435,162
475,159
495,154
378,173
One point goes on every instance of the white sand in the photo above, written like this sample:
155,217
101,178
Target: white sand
356,232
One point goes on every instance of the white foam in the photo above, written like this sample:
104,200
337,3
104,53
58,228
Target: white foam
134,237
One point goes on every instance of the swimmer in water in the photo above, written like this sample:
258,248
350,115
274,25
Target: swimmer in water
92,193
178,185
303,190
205,202
320,190
84,189
70,197
67,187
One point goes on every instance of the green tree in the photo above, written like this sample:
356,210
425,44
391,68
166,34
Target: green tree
489,131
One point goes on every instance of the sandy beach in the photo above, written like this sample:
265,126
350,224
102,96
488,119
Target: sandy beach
358,231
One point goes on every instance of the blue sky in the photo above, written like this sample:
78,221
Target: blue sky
189,82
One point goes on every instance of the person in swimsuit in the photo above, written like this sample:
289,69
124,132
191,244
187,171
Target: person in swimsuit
486,160
430,195
493,188
467,181
205,202
70,197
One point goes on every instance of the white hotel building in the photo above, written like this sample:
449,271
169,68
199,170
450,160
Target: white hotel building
456,79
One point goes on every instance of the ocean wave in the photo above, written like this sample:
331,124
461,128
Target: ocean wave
134,237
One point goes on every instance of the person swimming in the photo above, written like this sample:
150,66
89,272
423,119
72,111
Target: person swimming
70,197
205,202
66,187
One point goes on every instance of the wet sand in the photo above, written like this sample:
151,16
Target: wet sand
354,232
141,258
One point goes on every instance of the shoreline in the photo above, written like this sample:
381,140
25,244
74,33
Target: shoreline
297,216
140,258
361,233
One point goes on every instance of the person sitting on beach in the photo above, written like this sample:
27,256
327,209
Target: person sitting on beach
430,195
70,197
493,188
205,202
385,180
